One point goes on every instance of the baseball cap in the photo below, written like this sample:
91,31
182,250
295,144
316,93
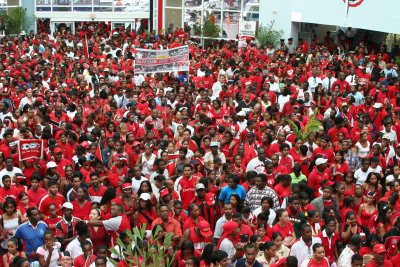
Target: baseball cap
126,185
214,144
164,192
263,124
379,248
200,186
205,229
209,197
320,161
241,113
57,150
386,136
51,164
67,205
145,196
377,105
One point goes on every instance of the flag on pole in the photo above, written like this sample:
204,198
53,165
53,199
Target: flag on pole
86,47
98,154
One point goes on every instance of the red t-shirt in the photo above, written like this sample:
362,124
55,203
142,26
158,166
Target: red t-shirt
12,192
286,230
81,212
46,200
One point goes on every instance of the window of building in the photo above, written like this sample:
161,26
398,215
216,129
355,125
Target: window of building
227,14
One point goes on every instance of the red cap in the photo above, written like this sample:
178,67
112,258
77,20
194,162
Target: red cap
126,185
379,248
85,144
30,160
205,229
210,199
136,143
263,124
279,263
123,159
57,150
164,193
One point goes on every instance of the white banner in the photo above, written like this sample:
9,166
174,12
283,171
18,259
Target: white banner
168,60
247,28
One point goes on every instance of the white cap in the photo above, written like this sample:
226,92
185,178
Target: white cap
106,69
145,196
51,164
241,113
386,136
214,144
200,186
67,205
377,105
320,161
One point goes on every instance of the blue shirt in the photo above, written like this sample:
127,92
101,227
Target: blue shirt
33,237
226,193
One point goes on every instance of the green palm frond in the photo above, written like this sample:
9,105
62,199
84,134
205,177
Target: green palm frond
313,125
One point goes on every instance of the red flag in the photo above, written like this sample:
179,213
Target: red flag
86,47
30,148
98,152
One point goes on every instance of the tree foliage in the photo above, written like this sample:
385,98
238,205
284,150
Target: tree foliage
210,27
16,20
266,35
145,253
313,125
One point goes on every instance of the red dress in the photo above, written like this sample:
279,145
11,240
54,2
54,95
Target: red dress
98,237
81,212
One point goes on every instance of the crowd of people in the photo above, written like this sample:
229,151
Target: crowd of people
259,156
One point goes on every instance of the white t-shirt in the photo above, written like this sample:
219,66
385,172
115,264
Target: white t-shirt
74,248
271,216
136,183
361,176
55,255
255,165
14,171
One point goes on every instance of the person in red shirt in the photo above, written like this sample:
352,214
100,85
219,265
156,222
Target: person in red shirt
324,150
318,257
285,159
329,237
8,190
52,197
285,227
379,252
35,192
333,132
319,174
87,258
185,186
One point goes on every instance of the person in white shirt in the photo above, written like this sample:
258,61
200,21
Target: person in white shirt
28,99
328,81
215,152
137,178
9,170
230,232
313,82
228,212
345,257
217,86
351,78
302,249
74,247
257,164
389,132
362,173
